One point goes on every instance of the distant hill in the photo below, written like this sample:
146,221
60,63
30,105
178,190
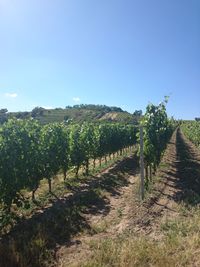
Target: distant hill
77,113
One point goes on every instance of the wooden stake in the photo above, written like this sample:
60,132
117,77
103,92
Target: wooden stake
141,164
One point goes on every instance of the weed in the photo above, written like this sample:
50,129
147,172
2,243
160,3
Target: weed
99,227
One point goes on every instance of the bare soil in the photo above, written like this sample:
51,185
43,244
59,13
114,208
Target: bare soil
107,205
63,228
112,219
176,181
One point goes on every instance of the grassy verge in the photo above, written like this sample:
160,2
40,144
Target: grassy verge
178,245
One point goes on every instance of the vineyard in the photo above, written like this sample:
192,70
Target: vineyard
30,152
90,171
192,131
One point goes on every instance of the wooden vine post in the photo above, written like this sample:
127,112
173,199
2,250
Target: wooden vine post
141,164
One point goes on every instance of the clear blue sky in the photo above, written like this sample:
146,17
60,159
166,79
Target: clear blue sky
124,53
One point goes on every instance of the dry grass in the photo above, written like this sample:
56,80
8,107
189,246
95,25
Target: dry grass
170,234
178,246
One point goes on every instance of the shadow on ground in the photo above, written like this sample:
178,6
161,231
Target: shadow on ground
179,182
34,241
188,171
182,176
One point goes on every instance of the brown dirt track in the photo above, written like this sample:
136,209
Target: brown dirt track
177,182
107,205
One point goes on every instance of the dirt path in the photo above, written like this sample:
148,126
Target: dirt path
178,181
104,224
107,206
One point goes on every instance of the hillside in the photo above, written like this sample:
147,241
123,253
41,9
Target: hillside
77,113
